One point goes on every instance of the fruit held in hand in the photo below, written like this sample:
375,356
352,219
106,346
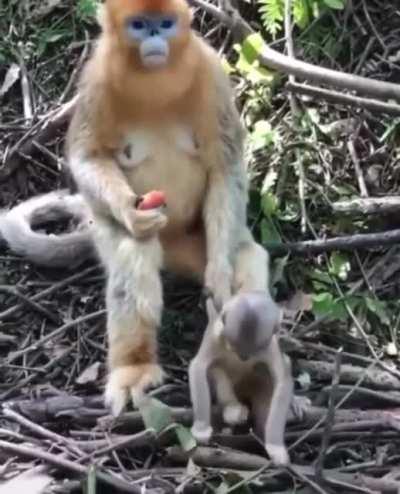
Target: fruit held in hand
151,200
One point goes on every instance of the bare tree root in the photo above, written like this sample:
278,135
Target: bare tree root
66,250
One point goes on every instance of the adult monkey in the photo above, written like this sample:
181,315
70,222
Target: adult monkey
156,111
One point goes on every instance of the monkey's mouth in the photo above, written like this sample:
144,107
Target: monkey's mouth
155,59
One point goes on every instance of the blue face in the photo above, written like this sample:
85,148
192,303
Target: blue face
152,32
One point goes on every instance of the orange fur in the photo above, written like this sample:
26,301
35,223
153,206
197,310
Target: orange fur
139,347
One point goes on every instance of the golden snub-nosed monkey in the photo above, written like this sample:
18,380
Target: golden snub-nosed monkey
156,111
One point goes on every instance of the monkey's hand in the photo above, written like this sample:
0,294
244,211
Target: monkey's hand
218,281
278,454
143,223
201,432
130,381
235,413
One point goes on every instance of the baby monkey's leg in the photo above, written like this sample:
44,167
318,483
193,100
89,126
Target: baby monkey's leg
134,304
233,411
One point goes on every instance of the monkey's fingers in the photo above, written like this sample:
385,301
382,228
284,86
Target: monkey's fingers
130,381
147,223
151,377
278,454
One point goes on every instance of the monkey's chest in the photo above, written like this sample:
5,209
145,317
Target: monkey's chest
166,159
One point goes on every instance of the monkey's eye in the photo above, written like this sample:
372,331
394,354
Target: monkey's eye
138,24
167,23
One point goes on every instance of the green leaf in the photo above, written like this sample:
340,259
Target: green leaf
301,13
251,47
340,265
324,305
156,415
269,232
272,12
379,308
185,437
335,4
263,135
269,203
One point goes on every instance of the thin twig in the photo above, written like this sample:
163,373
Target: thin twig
11,290
330,419
60,462
57,332
41,431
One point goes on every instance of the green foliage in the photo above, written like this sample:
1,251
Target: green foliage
272,12
247,63
157,416
86,9
303,11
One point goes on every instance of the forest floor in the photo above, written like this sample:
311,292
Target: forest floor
343,337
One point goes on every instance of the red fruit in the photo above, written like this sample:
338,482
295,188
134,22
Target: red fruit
151,200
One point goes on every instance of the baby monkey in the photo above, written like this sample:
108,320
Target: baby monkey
240,361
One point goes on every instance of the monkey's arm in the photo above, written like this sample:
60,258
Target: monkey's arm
102,182
226,199
282,394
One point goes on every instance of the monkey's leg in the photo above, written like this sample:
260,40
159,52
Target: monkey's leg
251,268
134,304
264,418
234,412
280,370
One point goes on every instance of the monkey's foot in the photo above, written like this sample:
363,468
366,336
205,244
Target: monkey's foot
130,381
278,454
235,413
201,432
299,406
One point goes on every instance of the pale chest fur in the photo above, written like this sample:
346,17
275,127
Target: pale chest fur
166,159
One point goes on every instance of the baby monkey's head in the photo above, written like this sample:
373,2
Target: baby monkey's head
248,321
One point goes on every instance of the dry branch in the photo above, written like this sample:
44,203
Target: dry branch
350,242
368,205
302,70
349,374
344,99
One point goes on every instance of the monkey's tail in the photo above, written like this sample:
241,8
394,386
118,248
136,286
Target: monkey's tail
63,250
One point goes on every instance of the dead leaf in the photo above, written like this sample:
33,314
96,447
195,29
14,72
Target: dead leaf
340,128
10,79
89,375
